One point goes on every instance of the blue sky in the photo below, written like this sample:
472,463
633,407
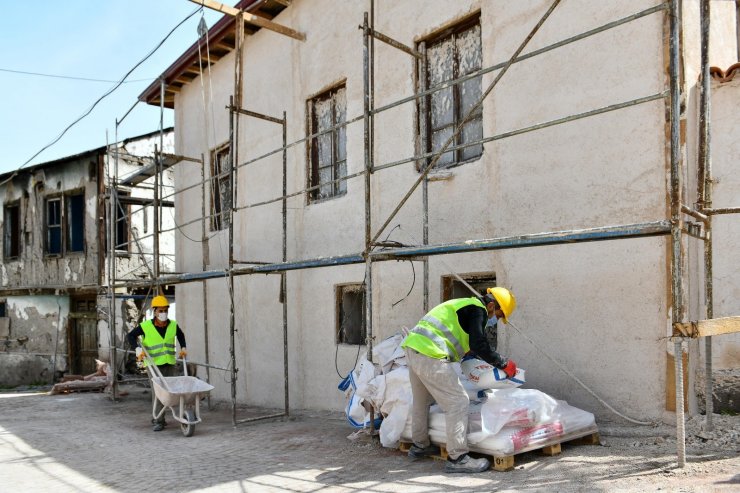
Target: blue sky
90,39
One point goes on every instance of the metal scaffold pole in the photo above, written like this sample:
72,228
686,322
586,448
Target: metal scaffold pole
677,304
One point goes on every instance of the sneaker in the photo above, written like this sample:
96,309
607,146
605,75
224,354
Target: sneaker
416,452
158,427
466,464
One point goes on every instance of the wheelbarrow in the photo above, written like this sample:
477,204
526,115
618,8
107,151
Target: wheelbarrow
182,395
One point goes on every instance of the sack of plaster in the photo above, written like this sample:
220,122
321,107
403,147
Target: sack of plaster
389,354
484,376
565,421
395,406
358,378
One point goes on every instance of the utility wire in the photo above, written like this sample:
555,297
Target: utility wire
107,93
69,77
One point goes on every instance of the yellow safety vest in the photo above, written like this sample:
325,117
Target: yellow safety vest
439,334
161,350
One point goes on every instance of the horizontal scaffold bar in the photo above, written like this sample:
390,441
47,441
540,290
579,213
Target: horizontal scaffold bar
638,230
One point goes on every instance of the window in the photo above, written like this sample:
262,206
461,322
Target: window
11,231
122,223
221,190
453,288
65,224
327,114
54,226
351,314
452,54
75,222
2,309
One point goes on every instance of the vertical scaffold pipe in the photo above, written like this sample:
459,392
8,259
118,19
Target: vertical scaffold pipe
704,199
284,276
676,240
424,145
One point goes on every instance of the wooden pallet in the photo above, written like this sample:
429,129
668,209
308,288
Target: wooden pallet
506,462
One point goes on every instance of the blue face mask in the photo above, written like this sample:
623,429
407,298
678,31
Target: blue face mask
492,321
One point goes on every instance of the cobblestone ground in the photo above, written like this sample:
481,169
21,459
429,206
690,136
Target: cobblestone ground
86,443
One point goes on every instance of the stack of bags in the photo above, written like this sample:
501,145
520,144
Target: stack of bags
503,418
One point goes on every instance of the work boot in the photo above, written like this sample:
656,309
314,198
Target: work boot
416,452
158,427
466,464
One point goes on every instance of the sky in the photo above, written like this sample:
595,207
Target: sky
87,39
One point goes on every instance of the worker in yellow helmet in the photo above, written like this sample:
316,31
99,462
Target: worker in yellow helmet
158,337
445,334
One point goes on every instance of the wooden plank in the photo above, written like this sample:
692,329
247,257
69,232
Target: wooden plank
553,449
252,19
705,328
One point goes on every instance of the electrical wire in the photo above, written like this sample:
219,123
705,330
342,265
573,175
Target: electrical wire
74,78
105,95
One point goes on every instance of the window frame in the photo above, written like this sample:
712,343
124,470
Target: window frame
14,233
338,188
452,33
341,334
64,223
219,215
476,280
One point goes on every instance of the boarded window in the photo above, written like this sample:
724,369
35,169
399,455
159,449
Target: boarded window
351,314
221,189
75,219
11,231
54,226
452,54
452,288
327,115
2,309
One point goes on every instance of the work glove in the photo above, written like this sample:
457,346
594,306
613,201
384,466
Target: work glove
510,369
183,353
139,355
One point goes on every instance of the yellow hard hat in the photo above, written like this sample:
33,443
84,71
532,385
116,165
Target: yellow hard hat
160,302
505,299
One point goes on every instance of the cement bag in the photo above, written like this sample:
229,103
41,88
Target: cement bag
485,376
389,354
395,407
516,407
356,414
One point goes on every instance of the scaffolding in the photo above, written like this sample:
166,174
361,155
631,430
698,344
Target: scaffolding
676,227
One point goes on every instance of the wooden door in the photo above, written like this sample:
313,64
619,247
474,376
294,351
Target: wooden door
83,338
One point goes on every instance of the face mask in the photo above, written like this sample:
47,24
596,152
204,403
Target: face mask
162,316
492,321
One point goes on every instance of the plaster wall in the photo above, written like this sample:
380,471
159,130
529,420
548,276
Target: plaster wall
725,149
36,341
34,268
605,170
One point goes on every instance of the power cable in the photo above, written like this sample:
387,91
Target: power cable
38,74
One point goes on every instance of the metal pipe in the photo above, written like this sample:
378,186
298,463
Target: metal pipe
695,214
284,277
721,210
424,133
704,184
230,268
627,231
260,418
677,306
366,56
111,263
204,249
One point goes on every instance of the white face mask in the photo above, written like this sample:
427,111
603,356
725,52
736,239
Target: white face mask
162,316
492,321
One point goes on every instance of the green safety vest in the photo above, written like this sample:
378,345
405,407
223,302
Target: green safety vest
439,335
161,350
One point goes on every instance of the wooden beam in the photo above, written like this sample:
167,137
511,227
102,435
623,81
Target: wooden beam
252,19
284,3
704,328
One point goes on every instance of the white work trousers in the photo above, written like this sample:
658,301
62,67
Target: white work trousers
436,380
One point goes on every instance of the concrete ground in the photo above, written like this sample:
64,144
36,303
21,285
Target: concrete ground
84,442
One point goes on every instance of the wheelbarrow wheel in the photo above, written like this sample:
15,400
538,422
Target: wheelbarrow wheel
188,429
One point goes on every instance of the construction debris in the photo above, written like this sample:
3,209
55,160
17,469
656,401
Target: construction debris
97,381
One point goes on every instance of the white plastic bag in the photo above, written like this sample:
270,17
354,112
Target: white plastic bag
389,354
485,376
516,407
